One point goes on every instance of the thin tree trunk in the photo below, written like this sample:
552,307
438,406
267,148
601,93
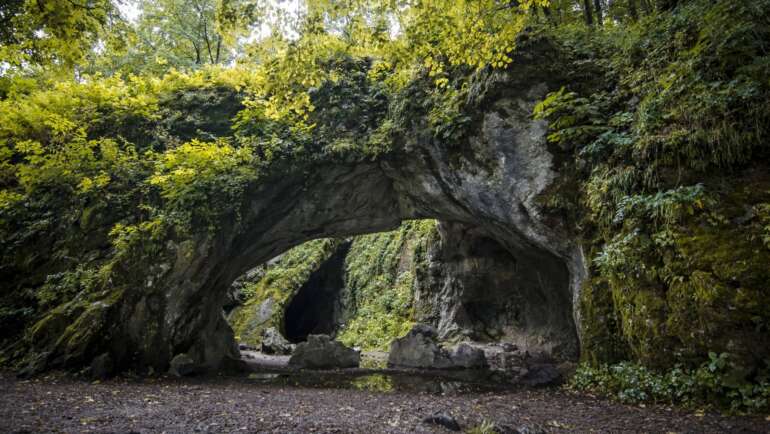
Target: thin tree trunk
208,42
219,46
208,48
587,14
599,14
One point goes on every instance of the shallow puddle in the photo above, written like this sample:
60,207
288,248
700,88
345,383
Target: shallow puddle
444,382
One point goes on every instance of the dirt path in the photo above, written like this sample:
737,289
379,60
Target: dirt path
224,405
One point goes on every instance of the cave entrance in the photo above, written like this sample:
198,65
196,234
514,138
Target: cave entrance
318,305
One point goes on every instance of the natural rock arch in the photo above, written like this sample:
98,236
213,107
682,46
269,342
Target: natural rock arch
492,188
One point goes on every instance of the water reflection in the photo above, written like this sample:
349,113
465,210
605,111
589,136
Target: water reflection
432,382
373,383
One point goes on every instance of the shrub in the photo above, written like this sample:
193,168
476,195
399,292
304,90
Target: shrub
717,381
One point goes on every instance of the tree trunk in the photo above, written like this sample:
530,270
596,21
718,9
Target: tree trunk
587,14
599,14
208,42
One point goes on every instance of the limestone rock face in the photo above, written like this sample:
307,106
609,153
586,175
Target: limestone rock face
274,343
474,288
321,352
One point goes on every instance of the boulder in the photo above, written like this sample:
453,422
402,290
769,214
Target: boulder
467,356
418,349
274,343
182,365
539,375
102,367
321,352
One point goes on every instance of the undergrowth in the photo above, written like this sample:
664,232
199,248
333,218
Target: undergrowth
713,383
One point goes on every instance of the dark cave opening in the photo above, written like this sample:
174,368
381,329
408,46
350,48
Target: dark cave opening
317,306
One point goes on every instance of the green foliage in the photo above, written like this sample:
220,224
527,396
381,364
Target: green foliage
486,427
50,32
713,382
204,179
380,270
476,34
664,152
176,34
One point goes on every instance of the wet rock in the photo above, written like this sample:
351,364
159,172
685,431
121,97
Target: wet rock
274,343
182,365
102,366
418,349
321,352
442,419
542,375
467,356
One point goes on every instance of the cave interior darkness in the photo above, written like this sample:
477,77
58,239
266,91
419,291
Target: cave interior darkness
317,306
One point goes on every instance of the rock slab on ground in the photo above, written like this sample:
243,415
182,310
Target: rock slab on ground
420,349
273,342
467,356
321,352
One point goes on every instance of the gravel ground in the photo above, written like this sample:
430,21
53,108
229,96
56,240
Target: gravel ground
59,403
